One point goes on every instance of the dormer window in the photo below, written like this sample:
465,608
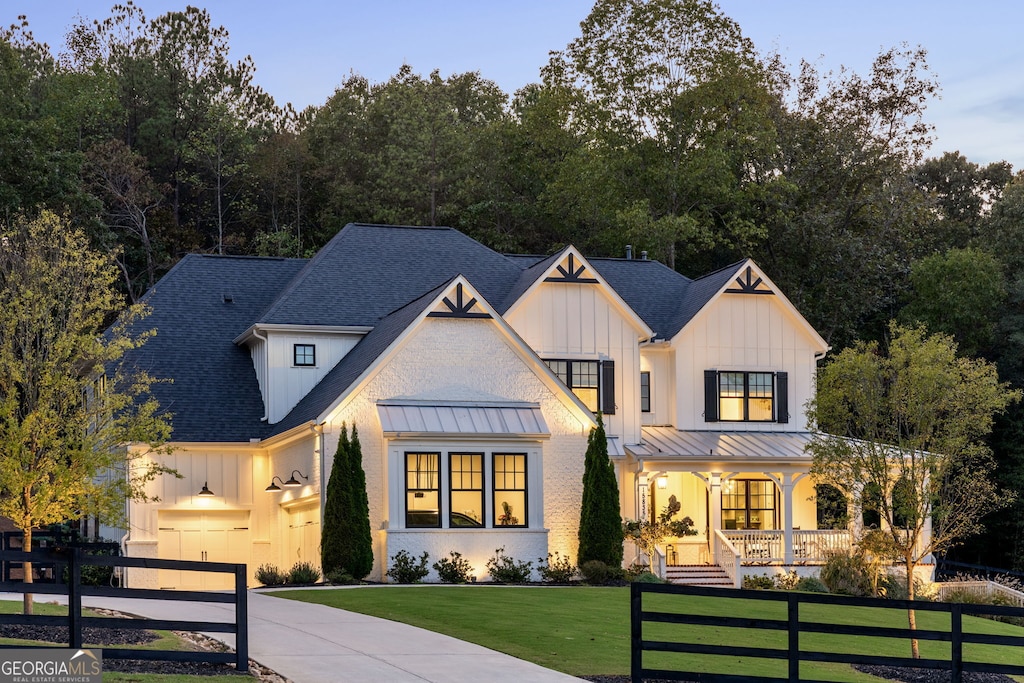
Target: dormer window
304,355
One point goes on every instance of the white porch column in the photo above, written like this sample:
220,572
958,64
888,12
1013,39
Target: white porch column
715,491
787,517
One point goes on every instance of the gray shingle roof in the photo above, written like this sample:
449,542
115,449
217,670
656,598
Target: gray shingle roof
376,276
214,395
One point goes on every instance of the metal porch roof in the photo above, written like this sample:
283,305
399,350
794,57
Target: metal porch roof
668,442
402,418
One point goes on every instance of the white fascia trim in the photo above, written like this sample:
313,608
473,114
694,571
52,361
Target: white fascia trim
323,329
475,436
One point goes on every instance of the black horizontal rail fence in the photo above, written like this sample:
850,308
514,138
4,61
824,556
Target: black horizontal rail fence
73,559
793,625
46,572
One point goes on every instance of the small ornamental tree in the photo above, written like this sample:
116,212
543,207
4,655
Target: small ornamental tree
909,425
335,543
70,400
359,518
648,535
600,533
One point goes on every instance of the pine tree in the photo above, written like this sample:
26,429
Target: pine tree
335,541
359,519
600,533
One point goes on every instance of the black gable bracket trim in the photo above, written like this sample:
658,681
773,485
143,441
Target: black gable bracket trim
457,314
749,285
572,274
580,280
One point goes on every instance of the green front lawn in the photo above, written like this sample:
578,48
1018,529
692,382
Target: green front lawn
585,630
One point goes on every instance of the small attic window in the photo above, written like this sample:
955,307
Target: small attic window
228,298
304,355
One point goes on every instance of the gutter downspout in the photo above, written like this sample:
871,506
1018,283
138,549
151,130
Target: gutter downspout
266,373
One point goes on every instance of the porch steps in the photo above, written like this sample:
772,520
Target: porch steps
698,575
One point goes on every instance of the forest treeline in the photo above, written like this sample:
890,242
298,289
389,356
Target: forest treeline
660,126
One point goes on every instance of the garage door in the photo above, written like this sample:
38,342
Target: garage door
207,536
303,535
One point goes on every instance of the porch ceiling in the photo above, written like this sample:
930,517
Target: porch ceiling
669,443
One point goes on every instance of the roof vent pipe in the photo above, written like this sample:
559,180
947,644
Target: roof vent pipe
643,255
629,251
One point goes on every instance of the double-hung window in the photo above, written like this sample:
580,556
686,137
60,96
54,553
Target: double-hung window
466,489
742,396
748,504
592,381
510,489
422,490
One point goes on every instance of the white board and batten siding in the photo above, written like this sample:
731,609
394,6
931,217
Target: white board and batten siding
285,384
744,332
579,322
659,360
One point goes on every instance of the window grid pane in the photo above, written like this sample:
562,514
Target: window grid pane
746,396
304,354
645,392
423,497
510,489
467,490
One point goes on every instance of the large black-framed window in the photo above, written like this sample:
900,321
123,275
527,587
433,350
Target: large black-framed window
749,504
645,392
465,490
422,490
745,396
593,381
304,355
510,501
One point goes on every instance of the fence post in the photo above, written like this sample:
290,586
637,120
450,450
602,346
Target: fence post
956,626
793,604
74,597
241,620
635,635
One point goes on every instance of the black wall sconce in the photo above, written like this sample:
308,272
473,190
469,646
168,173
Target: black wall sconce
205,491
291,483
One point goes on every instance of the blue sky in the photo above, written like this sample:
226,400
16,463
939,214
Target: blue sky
304,48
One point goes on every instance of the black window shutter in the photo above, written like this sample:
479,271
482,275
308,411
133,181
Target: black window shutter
607,387
711,396
782,397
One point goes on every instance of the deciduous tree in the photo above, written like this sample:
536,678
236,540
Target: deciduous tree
902,431
69,403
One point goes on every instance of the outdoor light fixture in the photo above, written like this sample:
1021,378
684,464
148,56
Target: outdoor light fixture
662,482
205,491
293,482
274,487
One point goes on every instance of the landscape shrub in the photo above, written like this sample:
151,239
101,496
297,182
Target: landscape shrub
847,574
340,577
303,572
504,569
810,584
453,569
647,577
758,582
557,570
270,575
595,572
786,581
406,569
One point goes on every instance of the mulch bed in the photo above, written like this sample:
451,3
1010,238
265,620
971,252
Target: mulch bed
124,637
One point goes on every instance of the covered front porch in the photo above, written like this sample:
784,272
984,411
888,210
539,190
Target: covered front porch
750,496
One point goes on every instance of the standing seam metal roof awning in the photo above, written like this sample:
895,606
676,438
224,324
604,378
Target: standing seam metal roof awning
667,442
405,418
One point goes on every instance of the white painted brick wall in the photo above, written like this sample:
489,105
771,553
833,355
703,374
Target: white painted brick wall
467,360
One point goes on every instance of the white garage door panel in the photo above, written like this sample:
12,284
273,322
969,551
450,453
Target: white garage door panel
212,536
304,535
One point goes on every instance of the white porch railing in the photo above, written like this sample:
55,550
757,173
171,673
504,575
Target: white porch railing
985,589
728,557
758,546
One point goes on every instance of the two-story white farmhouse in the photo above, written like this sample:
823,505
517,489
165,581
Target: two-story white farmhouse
474,378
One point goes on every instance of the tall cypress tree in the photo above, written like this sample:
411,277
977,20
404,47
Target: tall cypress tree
359,519
600,533
335,541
